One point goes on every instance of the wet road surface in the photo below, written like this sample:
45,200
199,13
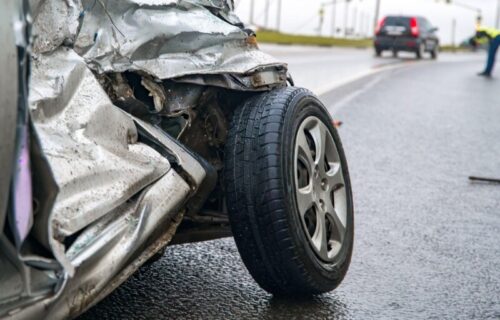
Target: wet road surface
427,243
321,69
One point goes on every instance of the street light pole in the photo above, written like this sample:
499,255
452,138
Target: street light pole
467,7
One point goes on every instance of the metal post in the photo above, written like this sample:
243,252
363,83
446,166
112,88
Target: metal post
453,33
252,10
346,16
266,16
362,30
278,17
321,19
354,20
368,25
377,13
498,15
334,14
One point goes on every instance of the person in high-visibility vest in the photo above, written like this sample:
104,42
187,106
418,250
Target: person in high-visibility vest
491,36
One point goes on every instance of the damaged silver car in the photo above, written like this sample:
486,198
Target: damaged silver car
128,125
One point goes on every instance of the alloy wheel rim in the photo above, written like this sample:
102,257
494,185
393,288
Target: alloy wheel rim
320,188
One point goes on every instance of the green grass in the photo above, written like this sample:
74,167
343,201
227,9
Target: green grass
449,48
266,36
284,38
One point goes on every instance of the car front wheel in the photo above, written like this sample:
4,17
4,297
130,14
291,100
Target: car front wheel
289,193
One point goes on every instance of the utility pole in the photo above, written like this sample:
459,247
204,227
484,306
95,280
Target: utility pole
377,14
334,14
266,15
278,17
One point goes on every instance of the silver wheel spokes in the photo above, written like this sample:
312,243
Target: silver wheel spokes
320,188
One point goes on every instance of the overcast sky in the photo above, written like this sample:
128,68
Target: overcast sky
301,16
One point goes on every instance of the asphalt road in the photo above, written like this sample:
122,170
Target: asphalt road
321,69
427,242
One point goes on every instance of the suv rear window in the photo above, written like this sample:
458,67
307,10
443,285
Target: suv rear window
397,21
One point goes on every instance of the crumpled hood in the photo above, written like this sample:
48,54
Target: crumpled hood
164,38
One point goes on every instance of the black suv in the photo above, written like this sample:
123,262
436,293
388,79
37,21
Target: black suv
401,33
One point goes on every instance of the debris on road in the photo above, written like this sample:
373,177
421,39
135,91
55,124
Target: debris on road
482,179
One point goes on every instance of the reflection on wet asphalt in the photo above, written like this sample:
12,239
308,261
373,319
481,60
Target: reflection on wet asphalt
427,240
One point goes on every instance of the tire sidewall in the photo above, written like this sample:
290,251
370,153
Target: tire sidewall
302,106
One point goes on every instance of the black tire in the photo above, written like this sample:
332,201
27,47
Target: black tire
420,51
434,53
260,195
394,53
378,52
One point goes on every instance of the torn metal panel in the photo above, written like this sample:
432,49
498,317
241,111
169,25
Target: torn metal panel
183,158
111,249
122,195
106,248
167,39
90,145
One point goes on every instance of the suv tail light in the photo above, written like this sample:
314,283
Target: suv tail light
414,27
379,26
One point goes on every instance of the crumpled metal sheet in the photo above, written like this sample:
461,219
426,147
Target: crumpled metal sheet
134,227
118,196
55,22
164,38
113,192
91,147
112,248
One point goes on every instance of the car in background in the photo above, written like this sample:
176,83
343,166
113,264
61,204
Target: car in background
406,33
